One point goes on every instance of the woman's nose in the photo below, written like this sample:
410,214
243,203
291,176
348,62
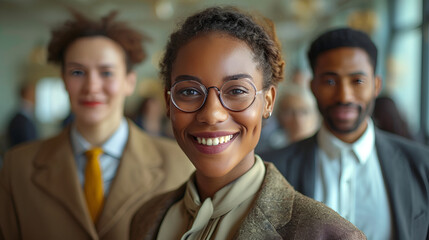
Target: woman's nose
213,111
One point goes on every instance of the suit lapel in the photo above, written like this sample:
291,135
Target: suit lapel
303,169
148,219
139,173
272,209
56,174
396,175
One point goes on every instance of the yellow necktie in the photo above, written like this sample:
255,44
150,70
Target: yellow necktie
93,186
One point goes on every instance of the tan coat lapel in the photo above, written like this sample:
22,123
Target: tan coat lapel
272,209
139,174
147,221
55,161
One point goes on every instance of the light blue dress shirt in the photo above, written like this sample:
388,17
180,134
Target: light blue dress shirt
350,181
109,160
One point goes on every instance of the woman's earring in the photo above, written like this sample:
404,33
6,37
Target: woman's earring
269,115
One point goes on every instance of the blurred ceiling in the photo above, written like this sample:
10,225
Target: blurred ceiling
296,21
295,18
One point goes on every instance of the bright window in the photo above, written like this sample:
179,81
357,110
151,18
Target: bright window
52,103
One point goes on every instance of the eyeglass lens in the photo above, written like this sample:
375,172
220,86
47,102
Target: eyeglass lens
235,95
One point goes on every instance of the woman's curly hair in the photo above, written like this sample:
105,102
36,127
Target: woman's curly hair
129,39
258,33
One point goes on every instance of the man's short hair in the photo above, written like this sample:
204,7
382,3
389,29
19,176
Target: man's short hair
342,37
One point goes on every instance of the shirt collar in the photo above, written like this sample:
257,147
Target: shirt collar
365,144
332,146
114,146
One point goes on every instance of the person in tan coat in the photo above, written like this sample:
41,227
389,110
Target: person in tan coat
220,70
54,189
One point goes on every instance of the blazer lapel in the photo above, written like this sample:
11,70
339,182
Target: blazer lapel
272,209
396,175
56,173
139,174
148,219
302,170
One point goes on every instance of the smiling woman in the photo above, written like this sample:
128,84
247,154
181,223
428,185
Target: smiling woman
221,69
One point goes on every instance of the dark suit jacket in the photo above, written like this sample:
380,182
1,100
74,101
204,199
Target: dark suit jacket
405,169
41,197
279,212
21,129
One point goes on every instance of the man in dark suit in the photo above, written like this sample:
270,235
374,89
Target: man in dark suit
22,126
378,181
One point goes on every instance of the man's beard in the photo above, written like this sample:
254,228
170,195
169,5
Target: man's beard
362,114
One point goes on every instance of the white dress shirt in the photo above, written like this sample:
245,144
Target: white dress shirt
109,160
350,181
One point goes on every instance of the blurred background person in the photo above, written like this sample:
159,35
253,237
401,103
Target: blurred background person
295,117
23,126
297,112
301,77
150,116
67,120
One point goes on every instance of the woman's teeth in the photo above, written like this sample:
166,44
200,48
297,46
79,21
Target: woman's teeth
214,141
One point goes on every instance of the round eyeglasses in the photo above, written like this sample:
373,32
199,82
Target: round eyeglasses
235,95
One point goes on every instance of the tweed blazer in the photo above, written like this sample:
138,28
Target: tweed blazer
279,212
405,168
41,197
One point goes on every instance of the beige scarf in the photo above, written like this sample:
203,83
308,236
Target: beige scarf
218,217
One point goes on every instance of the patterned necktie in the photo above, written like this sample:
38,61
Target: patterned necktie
93,186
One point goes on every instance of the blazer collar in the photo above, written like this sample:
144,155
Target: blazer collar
139,174
304,179
397,175
272,209
56,174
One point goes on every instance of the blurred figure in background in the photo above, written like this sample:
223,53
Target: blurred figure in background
67,120
300,77
150,116
22,127
297,113
296,116
87,181
387,117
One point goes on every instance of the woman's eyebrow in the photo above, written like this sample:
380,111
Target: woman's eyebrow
227,78
186,77
238,76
